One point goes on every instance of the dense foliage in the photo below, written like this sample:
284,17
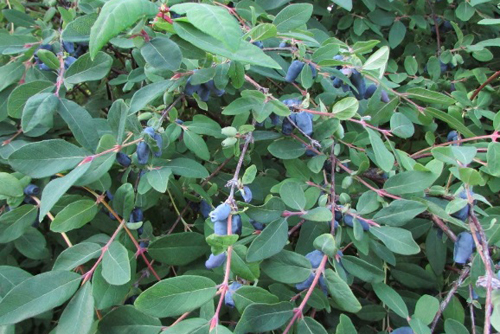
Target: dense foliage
263,166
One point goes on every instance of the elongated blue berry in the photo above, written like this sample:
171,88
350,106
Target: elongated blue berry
149,131
294,70
284,45
358,81
32,190
220,227
190,89
369,91
142,153
205,208
403,330
314,72
258,44
204,93
257,225
462,214
123,159
68,61
384,97
315,258
337,82
228,298
213,89
137,215
452,136
304,122
247,194
159,142
221,212
306,284
69,47
236,224
215,261
349,221
464,246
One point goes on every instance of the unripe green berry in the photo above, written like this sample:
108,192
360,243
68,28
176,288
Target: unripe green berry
229,131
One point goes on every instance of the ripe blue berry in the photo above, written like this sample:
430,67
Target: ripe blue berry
247,194
215,261
358,81
349,221
287,126
204,93
213,89
259,44
68,61
304,122
228,298
220,213
337,82
452,136
149,131
370,91
462,214
220,227
403,330
306,284
322,285
313,70
384,97
315,258
191,89
123,159
142,153
31,190
159,142
205,208
284,45
140,231
294,70
257,225
236,224
69,47
137,215
110,195
464,246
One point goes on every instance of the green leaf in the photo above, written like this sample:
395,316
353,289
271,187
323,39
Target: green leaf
345,108
262,32
162,53
409,182
11,73
263,317
248,295
326,244
450,120
147,94
46,158
21,94
10,185
158,178
401,126
493,158
341,293
246,54
54,190
74,216
293,16
249,271
362,269
383,157
187,167
117,118
397,34
309,325
38,294
398,240
292,195
116,16
14,223
38,108
270,211
249,174
126,319
287,267
48,58
175,296
80,123
429,96
399,212
196,145
320,214
378,60
11,277
193,325
455,154
286,149
178,249
77,255
78,316
426,308
214,21
269,242
345,326
455,327
78,30
116,265
346,4
392,299
465,11
87,69
123,201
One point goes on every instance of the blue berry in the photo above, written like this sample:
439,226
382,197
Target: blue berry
284,45
236,224
140,231
69,61
287,126
136,215
159,142
204,93
149,131
205,208
384,97
247,194
304,122
313,70
130,300
349,221
358,81
110,195
294,70
142,153
174,15
337,82
315,258
462,214
123,159
306,284
69,47
322,285
370,91
453,135
31,190
215,261
220,213
259,44
292,102
43,67
463,248
213,89
257,225
220,227
191,89
228,298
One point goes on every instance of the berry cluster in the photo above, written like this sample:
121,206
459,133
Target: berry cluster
203,90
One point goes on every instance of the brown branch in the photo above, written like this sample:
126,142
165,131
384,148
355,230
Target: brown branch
490,79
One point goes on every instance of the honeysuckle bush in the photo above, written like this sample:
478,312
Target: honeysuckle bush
164,167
